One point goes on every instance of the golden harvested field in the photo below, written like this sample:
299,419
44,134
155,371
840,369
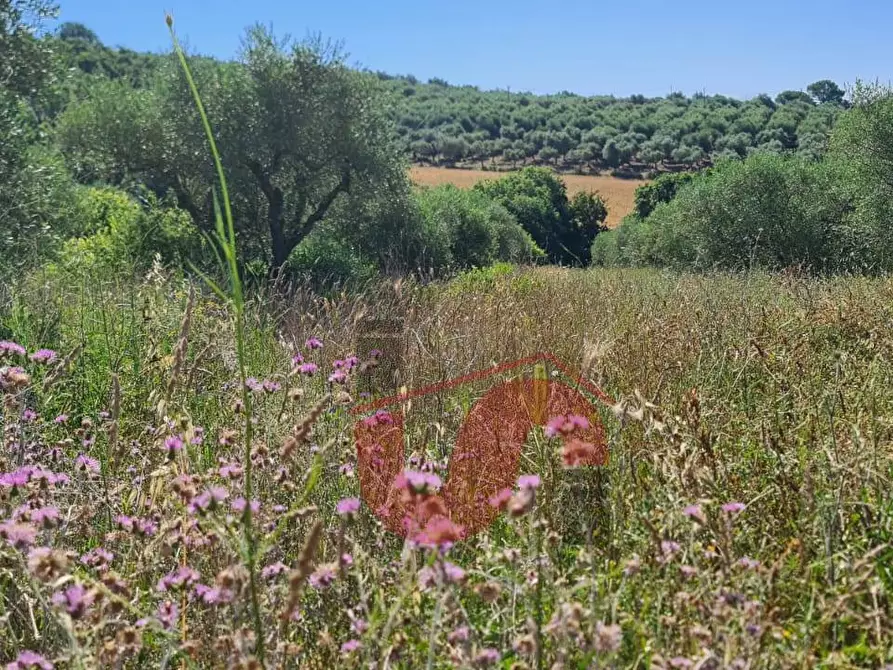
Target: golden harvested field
617,193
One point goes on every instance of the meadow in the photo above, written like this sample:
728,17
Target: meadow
617,193
743,520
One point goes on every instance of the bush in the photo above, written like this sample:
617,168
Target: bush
113,231
767,211
662,189
537,198
323,260
480,230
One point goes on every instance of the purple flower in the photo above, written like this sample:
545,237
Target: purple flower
338,364
239,503
350,646
97,558
43,356
27,660
308,369
213,596
167,614
45,516
62,418
145,527
86,463
668,547
461,634
323,576
453,573
198,435
381,417
351,362
271,386
420,482
173,444
124,522
253,385
273,570
182,576
28,415
733,507
313,343
297,359
486,656
230,471
695,513
348,506
75,600
19,535
11,349
338,377
529,482
748,563
15,479
375,353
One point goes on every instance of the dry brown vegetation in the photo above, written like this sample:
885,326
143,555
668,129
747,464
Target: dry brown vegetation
617,193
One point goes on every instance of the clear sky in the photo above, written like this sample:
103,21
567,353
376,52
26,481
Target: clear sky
590,47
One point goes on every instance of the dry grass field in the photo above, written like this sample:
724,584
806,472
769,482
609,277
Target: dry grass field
617,193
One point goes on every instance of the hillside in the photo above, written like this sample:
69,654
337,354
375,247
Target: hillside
444,125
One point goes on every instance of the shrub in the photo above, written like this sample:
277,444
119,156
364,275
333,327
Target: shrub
324,260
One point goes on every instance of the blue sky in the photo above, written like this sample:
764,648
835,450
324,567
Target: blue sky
622,47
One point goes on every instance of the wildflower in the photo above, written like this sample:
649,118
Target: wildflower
695,513
273,570
500,499
522,502
97,558
313,343
46,517
688,571
565,425
62,418
453,573
375,353
8,348
208,499
417,482
338,377
75,600
308,369
348,507
381,417
346,469
198,436
486,657
13,378
124,522
19,535
43,356
173,444
47,564
346,560
27,660
323,576
270,386
182,576
440,532
529,482
213,595
351,362
461,634
680,662
145,527
337,364
15,479
239,504
86,463
350,646
230,471
748,563
297,359
359,626
28,415
576,453
427,578
733,507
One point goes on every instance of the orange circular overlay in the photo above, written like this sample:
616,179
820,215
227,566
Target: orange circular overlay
486,457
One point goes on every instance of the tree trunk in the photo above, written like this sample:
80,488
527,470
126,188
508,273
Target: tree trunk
277,235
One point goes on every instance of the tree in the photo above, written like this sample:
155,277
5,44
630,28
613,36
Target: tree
78,31
297,129
787,97
826,91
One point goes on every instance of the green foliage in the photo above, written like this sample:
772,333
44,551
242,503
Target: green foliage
480,230
323,260
537,198
826,91
767,211
116,233
662,189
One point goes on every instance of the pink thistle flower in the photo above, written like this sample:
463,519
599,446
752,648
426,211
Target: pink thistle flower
230,471
695,513
75,600
62,418
297,359
167,613
565,425
427,578
338,377
748,563
461,634
28,415
348,506
97,558
19,535
323,576
28,660
8,348
86,463
182,576
173,444
313,343
607,637
273,570
253,385
43,356
350,646
238,505
308,369
500,499
46,517
440,533
453,573
486,656
733,507
351,362
271,386
529,482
